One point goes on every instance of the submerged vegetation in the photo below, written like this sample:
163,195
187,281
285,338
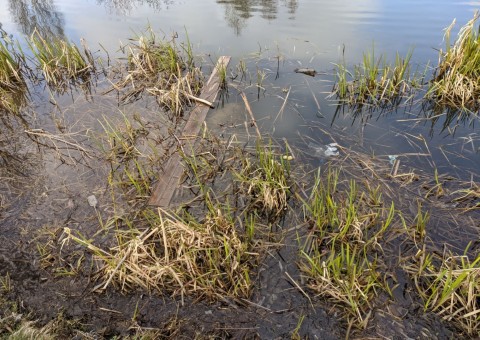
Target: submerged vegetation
237,207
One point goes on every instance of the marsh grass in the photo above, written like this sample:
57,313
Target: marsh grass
13,88
376,83
61,61
222,77
456,80
10,68
161,68
209,254
265,180
341,257
449,286
182,256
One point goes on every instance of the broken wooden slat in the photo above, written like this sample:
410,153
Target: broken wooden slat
169,180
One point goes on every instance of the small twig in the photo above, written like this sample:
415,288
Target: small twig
203,101
283,106
395,166
247,105
289,148
300,289
43,133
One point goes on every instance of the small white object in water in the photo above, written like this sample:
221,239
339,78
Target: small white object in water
328,150
331,150
92,201
392,158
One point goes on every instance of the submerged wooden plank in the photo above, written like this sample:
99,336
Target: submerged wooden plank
169,180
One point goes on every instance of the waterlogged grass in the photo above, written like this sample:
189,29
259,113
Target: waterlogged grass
183,256
340,257
13,88
375,82
449,286
10,70
208,255
265,179
456,81
222,77
60,60
164,69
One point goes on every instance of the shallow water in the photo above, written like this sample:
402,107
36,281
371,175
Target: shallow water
275,37
303,33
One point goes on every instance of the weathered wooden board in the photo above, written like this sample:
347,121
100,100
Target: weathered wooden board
169,180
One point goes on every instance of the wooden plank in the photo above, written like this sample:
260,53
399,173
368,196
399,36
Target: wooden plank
169,180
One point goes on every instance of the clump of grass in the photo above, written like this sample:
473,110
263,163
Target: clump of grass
10,71
375,82
28,330
222,76
265,180
163,69
60,60
13,88
132,156
178,255
449,286
340,257
456,80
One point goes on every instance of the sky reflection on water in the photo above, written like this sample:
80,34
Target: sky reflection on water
310,33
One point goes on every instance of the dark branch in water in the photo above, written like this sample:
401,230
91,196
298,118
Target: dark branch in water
308,71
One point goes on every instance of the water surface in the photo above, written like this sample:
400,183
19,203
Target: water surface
306,33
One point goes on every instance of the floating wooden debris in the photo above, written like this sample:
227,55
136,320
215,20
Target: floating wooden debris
169,180
308,71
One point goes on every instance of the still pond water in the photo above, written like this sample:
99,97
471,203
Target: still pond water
302,33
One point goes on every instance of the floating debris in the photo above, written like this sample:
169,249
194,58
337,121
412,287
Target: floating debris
92,201
328,150
308,71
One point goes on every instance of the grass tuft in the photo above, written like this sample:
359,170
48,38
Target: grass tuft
13,88
449,286
375,82
456,82
60,60
266,181
340,256
164,69
178,255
